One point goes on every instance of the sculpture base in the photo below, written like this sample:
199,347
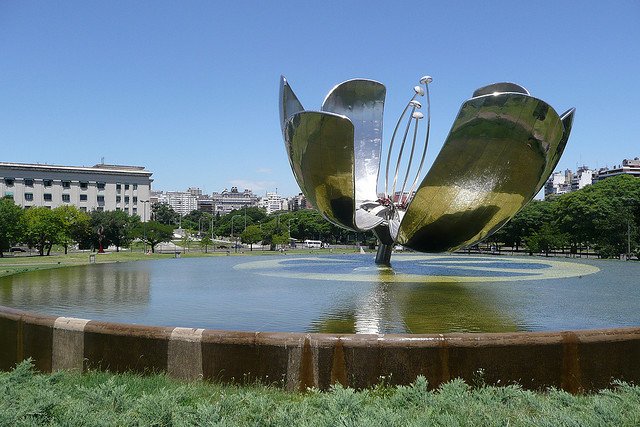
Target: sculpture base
383,256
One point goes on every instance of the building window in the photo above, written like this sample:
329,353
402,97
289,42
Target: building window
100,185
118,209
126,187
118,199
126,200
118,187
84,185
47,182
28,197
66,184
28,182
9,182
8,194
83,197
100,209
100,199
135,186
135,200
47,197
135,211
83,208
66,198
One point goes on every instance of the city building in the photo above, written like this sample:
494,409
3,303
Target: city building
298,202
183,202
558,183
101,187
628,166
273,202
227,201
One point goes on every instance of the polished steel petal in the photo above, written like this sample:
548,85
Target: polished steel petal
500,88
490,166
289,104
567,122
320,149
362,101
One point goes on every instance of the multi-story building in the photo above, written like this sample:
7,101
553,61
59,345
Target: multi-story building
298,202
273,202
183,202
582,178
628,166
227,201
558,183
101,187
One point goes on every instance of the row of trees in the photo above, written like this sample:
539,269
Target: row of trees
603,218
41,228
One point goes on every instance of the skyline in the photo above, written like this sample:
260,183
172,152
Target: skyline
192,92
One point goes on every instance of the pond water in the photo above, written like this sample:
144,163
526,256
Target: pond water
341,293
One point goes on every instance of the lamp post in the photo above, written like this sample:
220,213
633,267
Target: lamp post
235,243
144,223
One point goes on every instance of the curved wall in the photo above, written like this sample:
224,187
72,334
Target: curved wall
575,361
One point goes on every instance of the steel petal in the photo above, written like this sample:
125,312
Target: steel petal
363,102
289,104
320,149
495,156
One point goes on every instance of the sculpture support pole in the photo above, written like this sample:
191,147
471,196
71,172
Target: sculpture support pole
383,256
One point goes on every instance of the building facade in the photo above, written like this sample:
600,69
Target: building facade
273,202
183,202
101,187
227,201
628,166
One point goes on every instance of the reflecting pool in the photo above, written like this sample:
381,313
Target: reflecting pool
341,293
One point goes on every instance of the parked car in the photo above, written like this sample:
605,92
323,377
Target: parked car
17,249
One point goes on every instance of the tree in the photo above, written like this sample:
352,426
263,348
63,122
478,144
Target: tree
205,242
546,239
11,225
252,234
43,228
119,228
153,233
164,214
74,225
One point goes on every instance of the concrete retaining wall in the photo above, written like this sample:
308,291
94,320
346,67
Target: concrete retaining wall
575,361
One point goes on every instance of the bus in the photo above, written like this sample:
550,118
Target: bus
309,244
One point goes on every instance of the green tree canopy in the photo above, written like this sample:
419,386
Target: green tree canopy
43,228
164,214
11,224
153,232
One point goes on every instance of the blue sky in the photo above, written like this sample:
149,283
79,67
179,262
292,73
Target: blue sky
190,89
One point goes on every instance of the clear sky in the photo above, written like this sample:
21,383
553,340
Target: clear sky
189,89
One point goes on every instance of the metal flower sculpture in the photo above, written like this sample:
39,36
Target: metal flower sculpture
502,147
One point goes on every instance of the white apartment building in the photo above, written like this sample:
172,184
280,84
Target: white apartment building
101,187
183,202
273,202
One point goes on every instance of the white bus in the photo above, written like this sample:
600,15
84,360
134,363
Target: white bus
312,244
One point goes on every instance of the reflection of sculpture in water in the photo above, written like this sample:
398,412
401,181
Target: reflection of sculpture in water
501,149
417,308
100,239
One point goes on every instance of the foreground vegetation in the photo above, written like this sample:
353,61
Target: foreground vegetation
102,399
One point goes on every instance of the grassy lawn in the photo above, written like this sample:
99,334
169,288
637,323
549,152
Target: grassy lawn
102,399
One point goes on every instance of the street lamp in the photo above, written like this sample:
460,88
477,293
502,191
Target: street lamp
235,243
144,223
